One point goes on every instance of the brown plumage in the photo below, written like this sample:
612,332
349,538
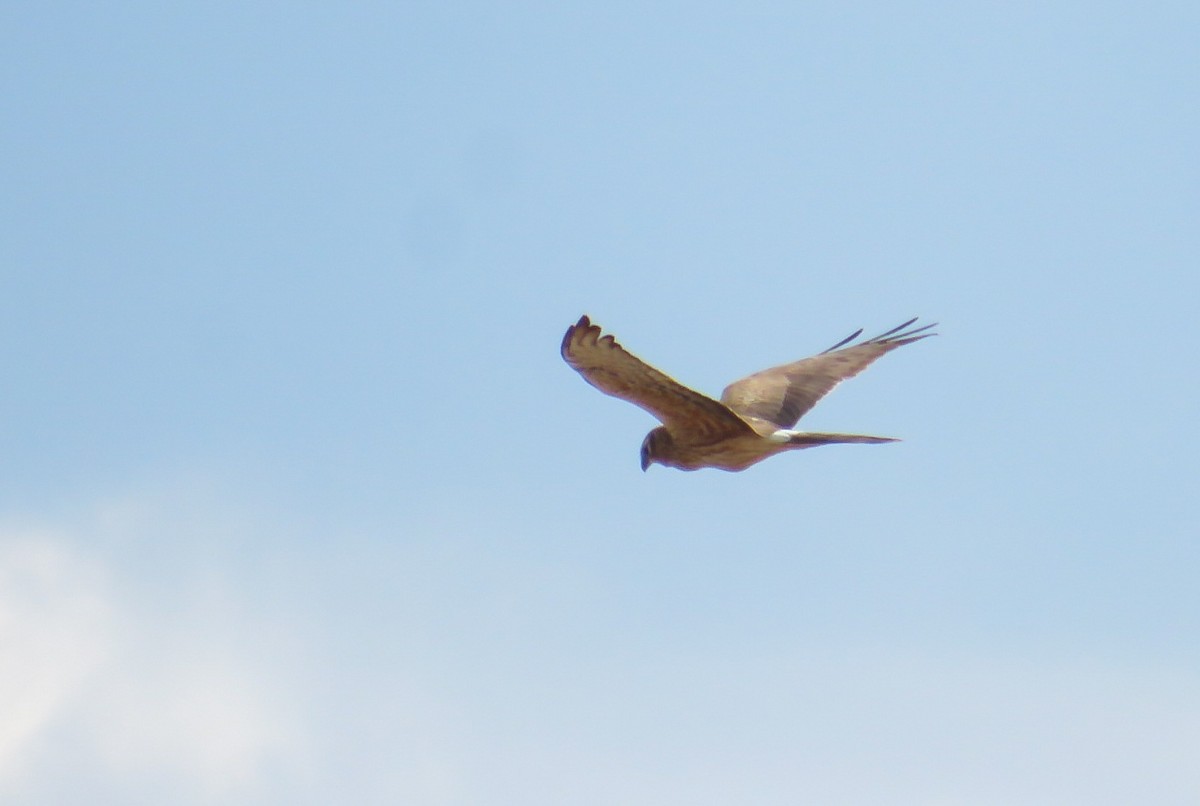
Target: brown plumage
755,415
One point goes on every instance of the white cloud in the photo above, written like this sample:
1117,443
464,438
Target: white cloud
130,686
55,632
163,654
199,715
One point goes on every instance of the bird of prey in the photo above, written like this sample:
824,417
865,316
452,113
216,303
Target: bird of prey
754,418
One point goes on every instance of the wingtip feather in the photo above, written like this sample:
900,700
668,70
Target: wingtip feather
845,341
582,332
569,336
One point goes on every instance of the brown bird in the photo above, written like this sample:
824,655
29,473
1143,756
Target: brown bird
755,415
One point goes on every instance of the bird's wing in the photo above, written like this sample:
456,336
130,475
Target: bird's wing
781,395
607,366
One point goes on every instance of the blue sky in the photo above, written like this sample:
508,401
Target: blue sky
300,505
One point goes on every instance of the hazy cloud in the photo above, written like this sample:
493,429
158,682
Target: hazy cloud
56,626
375,672
136,688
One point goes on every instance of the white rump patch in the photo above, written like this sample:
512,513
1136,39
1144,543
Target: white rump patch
782,436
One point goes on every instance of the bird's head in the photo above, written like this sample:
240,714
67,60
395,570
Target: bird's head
655,446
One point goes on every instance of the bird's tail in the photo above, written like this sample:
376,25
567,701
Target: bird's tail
811,439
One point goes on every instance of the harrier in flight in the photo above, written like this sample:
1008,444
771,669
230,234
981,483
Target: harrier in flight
755,415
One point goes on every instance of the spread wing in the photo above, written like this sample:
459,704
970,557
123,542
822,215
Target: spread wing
781,395
607,366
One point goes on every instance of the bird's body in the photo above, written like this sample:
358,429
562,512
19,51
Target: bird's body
737,452
754,418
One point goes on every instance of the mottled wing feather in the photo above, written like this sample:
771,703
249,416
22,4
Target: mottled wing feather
781,395
606,365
